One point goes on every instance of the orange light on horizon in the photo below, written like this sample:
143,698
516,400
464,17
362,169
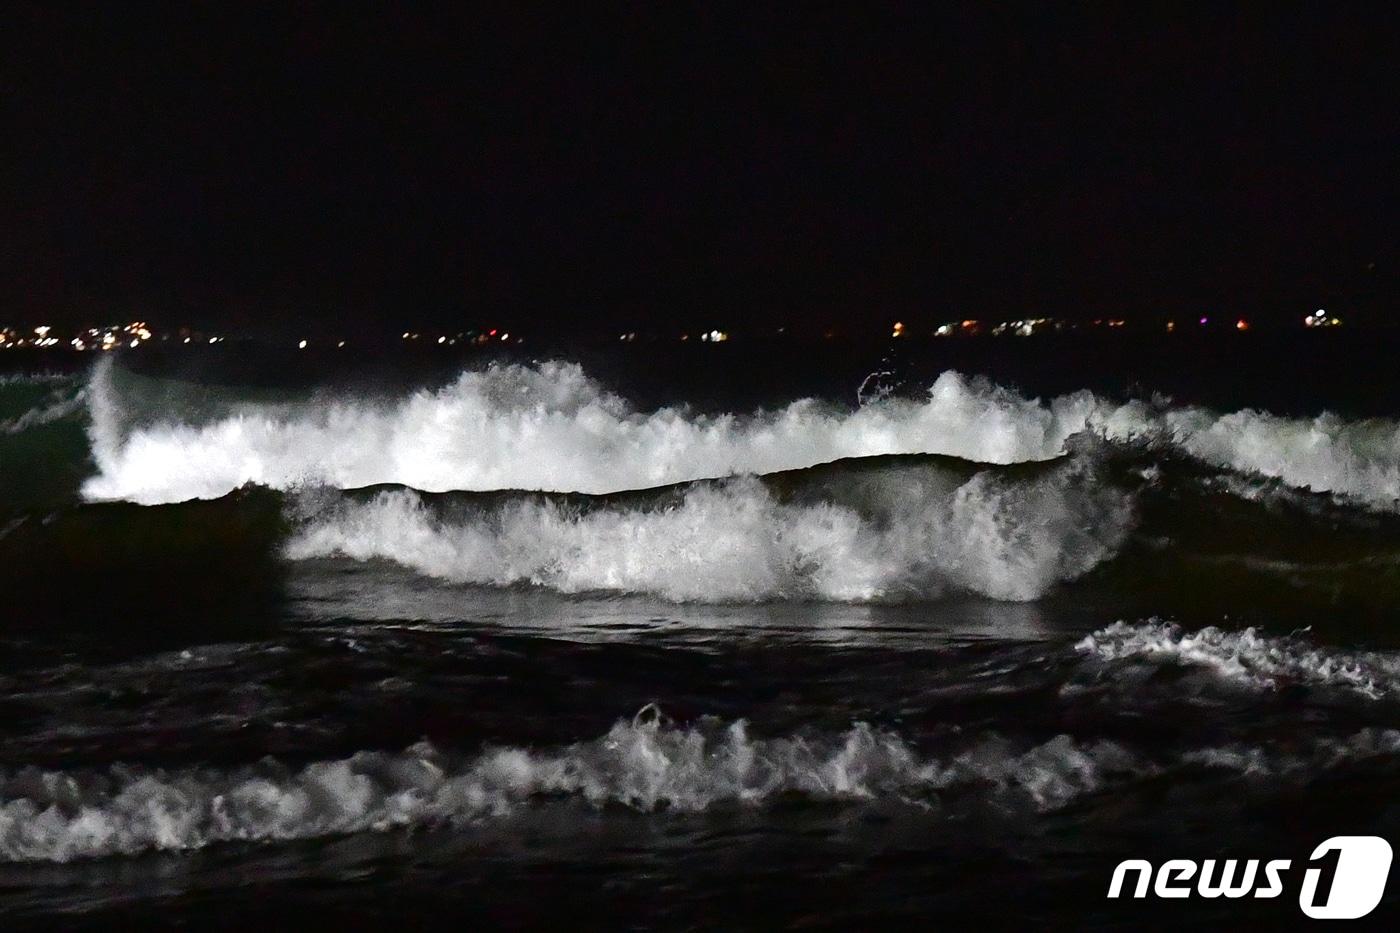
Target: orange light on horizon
1241,324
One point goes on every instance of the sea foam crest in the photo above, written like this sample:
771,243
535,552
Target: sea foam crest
545,427
647,764
549,426
915,534
1359,460
1249,657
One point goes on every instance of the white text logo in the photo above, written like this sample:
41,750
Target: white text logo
1343,879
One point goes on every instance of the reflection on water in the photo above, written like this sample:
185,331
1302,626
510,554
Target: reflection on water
338,591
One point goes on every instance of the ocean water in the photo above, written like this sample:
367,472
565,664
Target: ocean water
530,641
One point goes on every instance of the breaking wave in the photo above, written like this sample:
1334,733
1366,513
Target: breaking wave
646,764
854,531
545,427
1250,658
549,426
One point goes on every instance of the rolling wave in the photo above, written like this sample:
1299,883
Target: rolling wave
1155,533
647,764
855,531
551,427
463,484
1250,658
544,427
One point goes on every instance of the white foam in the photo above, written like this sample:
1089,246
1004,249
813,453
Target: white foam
916,534
646,764
1357,459
545,427
1250,658
550,427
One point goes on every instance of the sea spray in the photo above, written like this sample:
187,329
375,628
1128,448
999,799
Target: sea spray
546,427
647,764
881,534
549,426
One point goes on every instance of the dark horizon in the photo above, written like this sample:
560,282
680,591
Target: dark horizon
358,170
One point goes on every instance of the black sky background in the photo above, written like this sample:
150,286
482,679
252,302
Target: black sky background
353,167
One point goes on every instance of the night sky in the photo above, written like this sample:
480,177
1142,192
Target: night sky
366,168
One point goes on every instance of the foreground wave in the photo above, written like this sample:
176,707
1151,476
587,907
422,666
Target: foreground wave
647,764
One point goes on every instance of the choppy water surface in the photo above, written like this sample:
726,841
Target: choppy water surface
513,649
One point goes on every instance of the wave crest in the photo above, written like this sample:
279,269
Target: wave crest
551,427
1250,658
911,533
544,427
647,764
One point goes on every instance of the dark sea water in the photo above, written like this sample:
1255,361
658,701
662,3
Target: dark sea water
725,637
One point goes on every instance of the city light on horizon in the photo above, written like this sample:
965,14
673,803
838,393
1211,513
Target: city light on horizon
136,334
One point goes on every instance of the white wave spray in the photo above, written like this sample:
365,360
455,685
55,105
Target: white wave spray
915,533
546,427
1250,658
647,764
550,427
